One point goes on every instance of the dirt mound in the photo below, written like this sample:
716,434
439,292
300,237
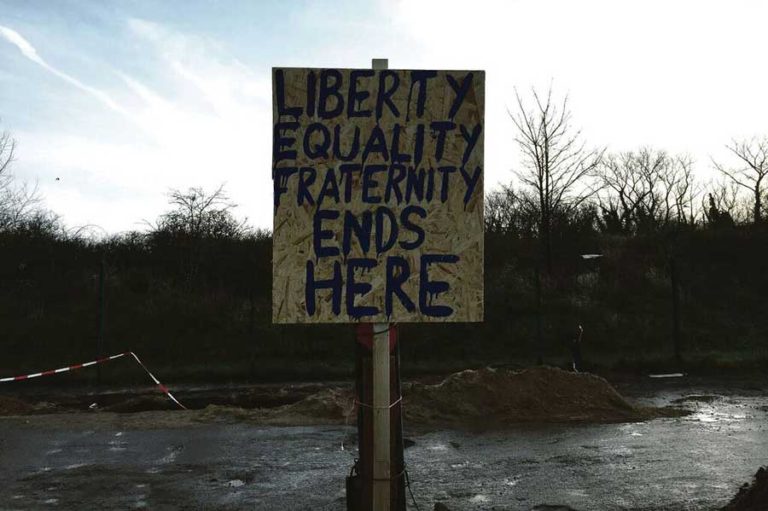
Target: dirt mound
484,397
12,406
540,394
329,406
752,497
226,413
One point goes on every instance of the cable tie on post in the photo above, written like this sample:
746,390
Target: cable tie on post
394,477
394,403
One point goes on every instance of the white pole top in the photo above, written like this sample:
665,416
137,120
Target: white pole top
380,63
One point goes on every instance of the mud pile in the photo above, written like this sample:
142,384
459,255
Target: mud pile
12,406
752,497
483,397
328,406
540,394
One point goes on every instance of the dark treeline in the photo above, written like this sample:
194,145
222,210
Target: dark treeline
192,293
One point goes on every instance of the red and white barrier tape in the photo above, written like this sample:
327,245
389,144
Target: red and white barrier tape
160,386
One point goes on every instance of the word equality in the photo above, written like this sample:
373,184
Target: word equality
319,143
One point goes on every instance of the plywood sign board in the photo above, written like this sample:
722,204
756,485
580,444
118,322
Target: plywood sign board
378,195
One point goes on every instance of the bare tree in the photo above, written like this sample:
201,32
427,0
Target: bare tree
198,214
557,164
197,221
7,149
752,156
722,205
628,182
647,189
685,191
499,207
18,201
508,211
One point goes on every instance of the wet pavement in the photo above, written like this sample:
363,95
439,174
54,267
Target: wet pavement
166,460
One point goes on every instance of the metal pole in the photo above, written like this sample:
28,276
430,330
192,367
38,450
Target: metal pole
100,341
539,319
675,311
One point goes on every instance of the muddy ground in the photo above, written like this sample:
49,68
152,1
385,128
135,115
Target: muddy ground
484,398
222,458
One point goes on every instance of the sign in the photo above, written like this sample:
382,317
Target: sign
378,195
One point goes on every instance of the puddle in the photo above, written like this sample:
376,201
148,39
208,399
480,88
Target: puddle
712,415
171,456
117,445
696,398
465,464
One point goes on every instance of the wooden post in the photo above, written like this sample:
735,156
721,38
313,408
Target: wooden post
381,400
397,463
379,422
381,418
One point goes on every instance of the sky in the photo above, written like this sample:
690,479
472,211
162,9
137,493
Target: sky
124,100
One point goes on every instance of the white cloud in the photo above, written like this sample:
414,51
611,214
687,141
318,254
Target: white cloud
220,130
29,51
685,76
214,129
22,44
